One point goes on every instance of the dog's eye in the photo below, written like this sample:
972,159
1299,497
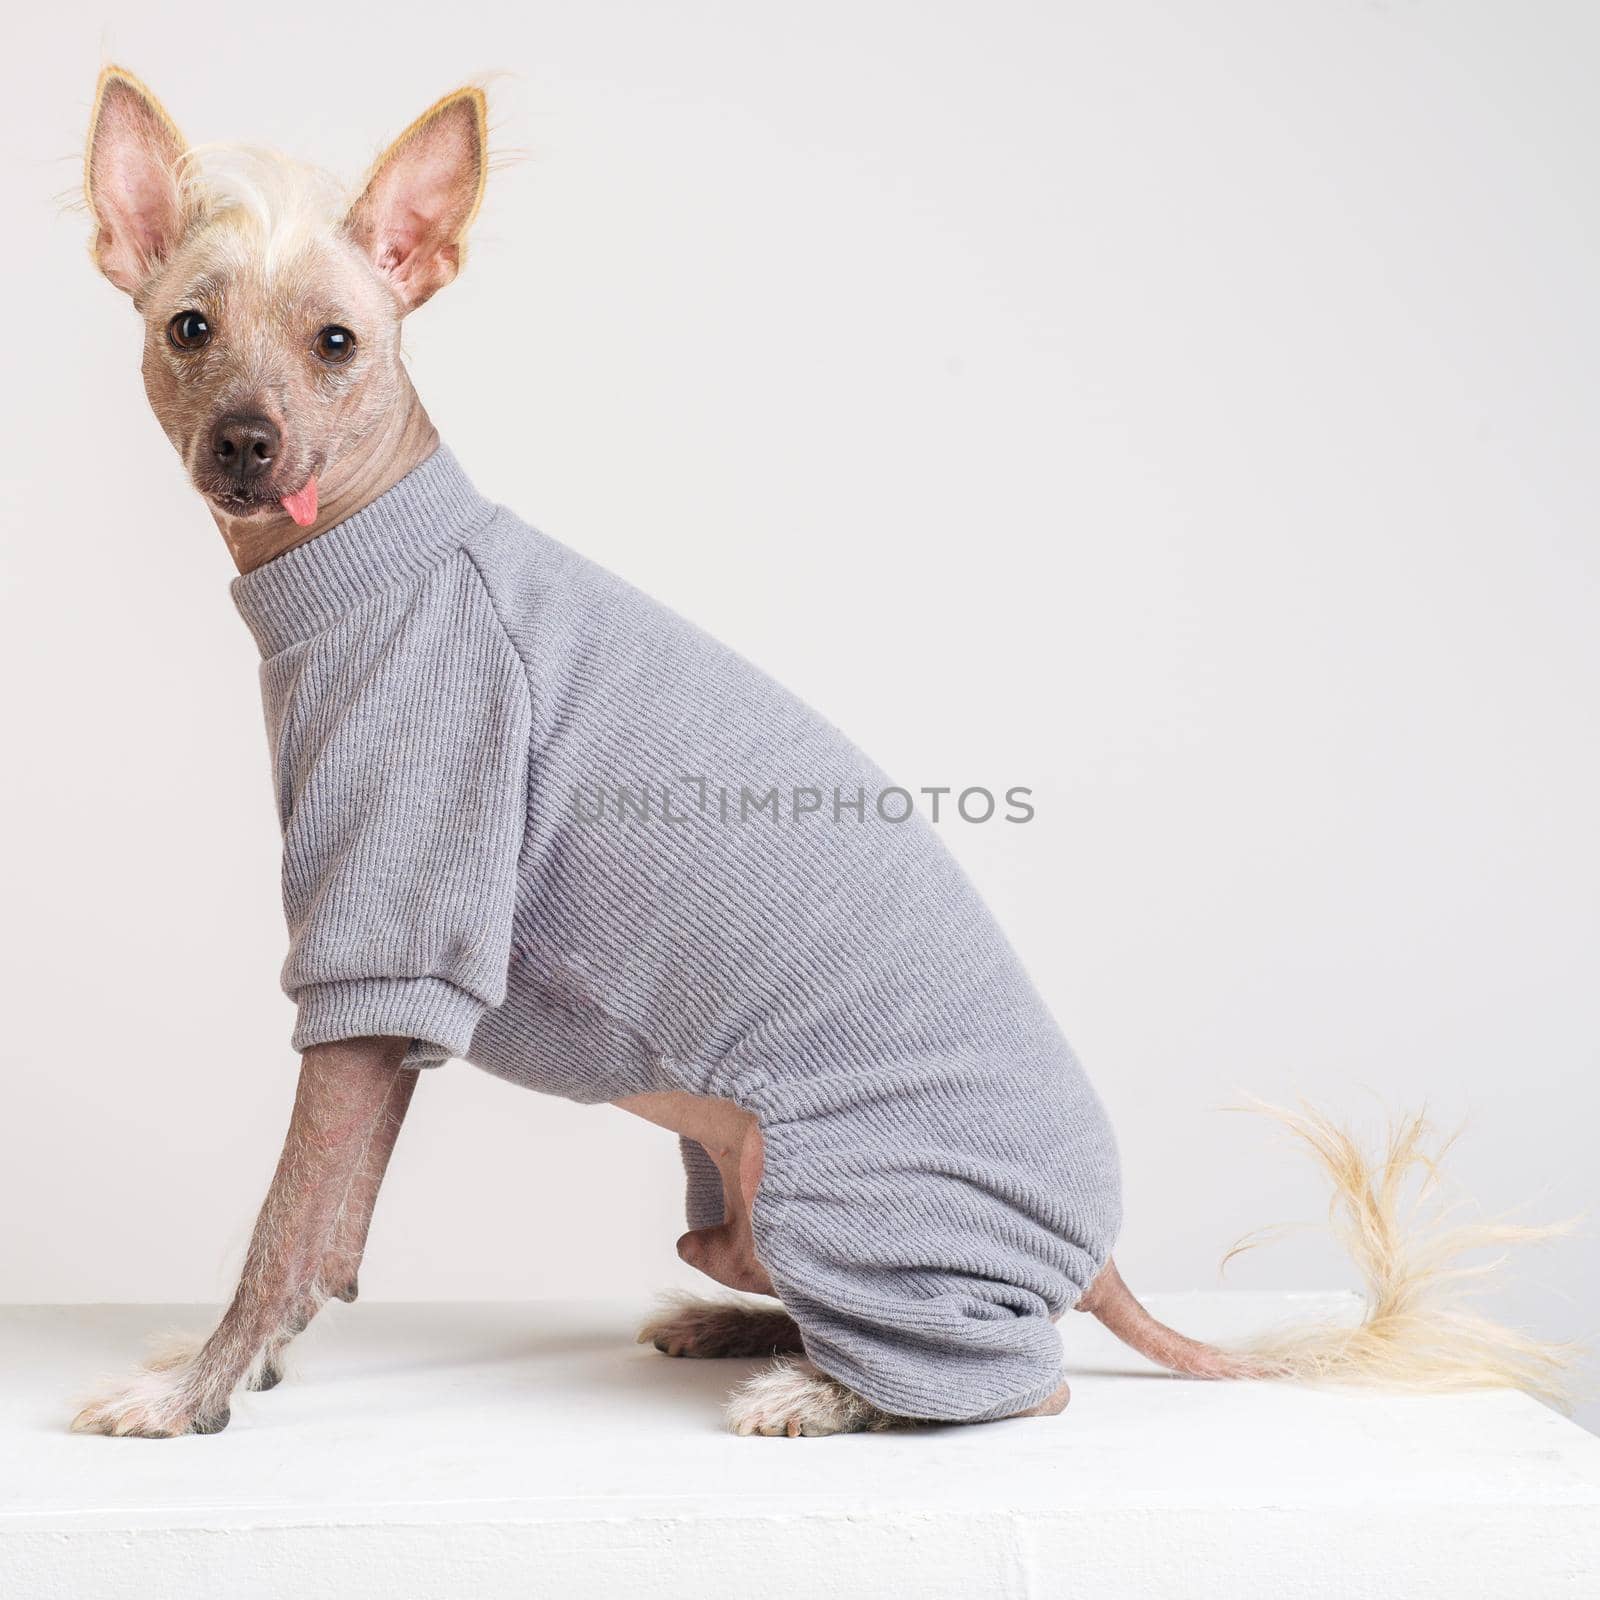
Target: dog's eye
188,331
336,345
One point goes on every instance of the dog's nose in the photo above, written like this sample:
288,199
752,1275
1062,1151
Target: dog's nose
245,445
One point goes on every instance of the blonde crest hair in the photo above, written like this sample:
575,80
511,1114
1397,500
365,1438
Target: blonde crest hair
273,202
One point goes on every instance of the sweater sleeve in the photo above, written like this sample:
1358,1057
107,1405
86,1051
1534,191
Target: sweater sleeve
402,768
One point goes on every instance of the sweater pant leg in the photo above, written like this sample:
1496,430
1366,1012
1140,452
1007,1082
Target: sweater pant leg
926,1224
704,1202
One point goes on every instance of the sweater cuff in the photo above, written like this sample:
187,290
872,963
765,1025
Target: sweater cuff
437,1017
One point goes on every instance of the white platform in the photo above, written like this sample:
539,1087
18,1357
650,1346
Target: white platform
486,1451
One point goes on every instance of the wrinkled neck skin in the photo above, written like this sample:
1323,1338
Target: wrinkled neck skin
405,439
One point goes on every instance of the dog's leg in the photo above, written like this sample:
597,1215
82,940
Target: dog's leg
341,1266
709,1328
343,1092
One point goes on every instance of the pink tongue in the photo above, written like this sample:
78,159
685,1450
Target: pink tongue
303,506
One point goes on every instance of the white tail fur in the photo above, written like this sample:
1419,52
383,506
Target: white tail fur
1418,1330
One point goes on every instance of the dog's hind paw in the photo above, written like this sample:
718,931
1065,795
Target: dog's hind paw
713,1328
793,1399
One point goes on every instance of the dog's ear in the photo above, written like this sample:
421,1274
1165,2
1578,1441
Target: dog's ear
130,179
412,217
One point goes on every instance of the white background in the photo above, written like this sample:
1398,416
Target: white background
1188,410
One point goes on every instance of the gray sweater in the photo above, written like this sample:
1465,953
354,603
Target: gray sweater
535,820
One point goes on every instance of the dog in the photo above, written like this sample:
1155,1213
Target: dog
884,1133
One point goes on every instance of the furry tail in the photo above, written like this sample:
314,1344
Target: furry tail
1418,1329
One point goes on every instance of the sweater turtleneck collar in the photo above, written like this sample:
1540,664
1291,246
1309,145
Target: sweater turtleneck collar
404,532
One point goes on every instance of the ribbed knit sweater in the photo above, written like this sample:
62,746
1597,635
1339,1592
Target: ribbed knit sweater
458,707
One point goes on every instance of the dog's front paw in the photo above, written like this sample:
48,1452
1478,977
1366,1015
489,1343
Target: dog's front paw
793,1399
143,1408
266,1372
155,1403
713,1328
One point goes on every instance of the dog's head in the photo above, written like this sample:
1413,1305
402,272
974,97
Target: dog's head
272,307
